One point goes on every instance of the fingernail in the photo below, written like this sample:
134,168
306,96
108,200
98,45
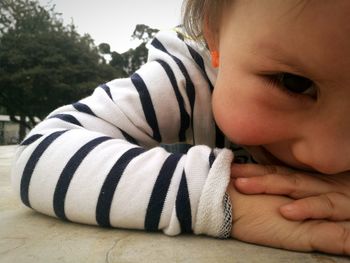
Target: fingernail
288,208
243,180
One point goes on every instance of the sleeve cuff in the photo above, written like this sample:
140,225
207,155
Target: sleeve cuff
212,216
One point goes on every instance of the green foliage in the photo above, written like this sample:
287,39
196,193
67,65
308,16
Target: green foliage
104,48
44,64
128,62
144,33
2,111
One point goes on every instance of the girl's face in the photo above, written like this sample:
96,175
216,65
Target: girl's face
284,80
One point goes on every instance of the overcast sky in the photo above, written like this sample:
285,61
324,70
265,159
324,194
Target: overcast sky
113,21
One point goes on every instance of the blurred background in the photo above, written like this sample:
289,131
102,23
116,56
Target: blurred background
56,52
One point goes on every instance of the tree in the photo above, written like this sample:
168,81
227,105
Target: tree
144,33
2,110
128,62
44,64
104,48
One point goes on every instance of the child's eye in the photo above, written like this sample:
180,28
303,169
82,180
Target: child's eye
294,84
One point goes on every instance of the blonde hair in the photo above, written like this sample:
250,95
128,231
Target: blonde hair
197,14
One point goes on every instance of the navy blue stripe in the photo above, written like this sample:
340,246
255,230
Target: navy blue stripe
211,159
107,90
110,184
183,206
185,118
32,162
67,175
31,139
67,118
147,105
190,90
220,137
83,108
156,43
200,62
129,138
160,190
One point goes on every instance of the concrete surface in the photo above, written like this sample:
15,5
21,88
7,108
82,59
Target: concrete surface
27,236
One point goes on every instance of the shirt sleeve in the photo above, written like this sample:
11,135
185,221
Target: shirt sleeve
98,161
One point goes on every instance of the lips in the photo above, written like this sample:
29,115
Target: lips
270,159
263,156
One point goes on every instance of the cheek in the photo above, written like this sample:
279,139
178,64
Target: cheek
244,119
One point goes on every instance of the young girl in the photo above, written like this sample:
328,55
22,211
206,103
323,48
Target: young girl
271,75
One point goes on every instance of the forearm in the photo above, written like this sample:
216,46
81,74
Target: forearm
110,182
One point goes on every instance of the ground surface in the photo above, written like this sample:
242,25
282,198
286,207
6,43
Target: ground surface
26,236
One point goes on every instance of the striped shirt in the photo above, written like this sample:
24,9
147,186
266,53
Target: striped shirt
99,161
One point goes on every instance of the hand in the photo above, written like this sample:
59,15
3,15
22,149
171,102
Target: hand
256,219
318,196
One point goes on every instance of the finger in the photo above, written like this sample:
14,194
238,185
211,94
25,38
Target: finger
329,237
332,206
320,235
251,170
296,185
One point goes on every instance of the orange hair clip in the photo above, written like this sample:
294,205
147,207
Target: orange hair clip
214,58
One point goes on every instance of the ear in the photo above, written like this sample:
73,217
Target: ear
211,37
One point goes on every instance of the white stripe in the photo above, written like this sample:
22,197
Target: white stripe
131,199
84,189
164,101
45,177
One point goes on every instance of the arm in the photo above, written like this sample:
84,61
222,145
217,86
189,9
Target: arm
97,161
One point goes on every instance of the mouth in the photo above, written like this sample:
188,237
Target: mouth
272,159
263,156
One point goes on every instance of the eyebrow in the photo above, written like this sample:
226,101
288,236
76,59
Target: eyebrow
272,52
275,53
297,9
301,5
